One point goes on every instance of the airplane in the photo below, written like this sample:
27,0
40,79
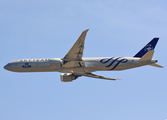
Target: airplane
73,65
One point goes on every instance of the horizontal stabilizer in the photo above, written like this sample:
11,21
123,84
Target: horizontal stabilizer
148,56
156,65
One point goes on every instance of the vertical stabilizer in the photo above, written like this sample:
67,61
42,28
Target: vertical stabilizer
150,46
148,56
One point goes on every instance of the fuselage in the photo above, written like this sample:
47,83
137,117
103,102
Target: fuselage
90,65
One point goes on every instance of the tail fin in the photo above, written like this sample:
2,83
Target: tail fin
150,46
148,56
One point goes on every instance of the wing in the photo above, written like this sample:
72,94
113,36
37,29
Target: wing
76,52
98,76
74,56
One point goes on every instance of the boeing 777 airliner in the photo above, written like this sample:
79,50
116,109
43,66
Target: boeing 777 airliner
73,65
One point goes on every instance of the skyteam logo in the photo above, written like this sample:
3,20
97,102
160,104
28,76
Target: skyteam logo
148,47
26,65
113,60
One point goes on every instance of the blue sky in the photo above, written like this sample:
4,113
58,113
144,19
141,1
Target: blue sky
48,29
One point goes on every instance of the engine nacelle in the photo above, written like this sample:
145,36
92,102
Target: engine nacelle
54,62
68,77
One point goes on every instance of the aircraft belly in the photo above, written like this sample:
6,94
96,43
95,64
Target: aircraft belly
73,70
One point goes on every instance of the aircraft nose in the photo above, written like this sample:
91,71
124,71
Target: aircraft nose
7,67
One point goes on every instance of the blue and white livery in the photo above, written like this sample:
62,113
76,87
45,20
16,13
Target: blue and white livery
73,65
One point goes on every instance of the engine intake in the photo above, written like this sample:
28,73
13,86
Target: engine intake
68,77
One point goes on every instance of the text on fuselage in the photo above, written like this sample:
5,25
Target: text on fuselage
35,60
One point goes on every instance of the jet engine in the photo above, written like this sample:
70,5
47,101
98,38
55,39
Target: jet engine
68,77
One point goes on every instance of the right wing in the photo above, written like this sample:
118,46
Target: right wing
98,76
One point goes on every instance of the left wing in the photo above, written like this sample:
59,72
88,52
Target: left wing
74,57
98,76
76,52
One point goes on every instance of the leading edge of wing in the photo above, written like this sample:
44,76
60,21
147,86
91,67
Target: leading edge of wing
98,76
